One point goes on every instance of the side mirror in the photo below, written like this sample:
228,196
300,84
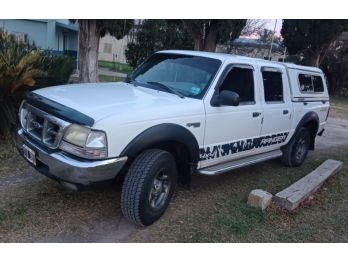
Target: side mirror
228,98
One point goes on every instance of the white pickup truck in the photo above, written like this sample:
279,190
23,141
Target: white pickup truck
178,113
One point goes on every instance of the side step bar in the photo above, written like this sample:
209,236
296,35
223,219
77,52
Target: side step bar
225,167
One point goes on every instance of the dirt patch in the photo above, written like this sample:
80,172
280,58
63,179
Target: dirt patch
11,163
340,112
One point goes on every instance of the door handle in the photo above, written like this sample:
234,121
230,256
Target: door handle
256,114
285,112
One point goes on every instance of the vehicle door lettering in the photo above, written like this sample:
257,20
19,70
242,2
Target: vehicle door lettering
241,146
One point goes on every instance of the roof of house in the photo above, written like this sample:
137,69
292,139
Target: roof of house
70,26
250,42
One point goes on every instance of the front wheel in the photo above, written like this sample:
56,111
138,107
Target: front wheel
295,152
148,187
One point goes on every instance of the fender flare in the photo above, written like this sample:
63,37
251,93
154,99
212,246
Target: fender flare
311,115
161,133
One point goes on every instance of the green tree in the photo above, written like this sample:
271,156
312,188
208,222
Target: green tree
90,32
156,35
312,37
296,59
207,33
335,66
265,35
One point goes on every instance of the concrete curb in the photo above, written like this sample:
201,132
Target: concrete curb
291,197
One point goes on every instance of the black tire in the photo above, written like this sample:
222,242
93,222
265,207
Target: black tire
140,182
295,152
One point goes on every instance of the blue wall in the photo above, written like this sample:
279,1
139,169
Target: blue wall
37,31
46,33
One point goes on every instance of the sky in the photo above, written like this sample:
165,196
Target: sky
270,25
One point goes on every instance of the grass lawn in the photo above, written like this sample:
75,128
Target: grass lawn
339,112
215,210
339,101
102,78
339,107
33,206
10,161
126,68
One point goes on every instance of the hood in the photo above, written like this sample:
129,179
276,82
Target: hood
101,100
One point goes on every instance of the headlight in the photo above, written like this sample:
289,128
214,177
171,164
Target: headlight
77,135
90,144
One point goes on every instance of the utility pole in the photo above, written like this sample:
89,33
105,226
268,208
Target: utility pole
270,50
284,54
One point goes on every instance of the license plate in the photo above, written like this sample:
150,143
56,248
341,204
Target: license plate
29,154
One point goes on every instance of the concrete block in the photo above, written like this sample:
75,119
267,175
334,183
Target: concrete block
291,197
259,198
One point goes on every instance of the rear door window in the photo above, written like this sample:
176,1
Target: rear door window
273,86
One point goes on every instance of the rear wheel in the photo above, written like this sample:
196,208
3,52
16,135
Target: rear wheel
148,187
295,152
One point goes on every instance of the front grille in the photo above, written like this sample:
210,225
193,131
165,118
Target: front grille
42,126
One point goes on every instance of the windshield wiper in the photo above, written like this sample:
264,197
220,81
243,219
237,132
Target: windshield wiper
168,88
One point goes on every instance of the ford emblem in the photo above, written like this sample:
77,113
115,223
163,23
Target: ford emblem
37,125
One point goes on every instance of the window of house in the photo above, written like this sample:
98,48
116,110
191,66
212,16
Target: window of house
273,86
240,81
107,48
20,37
267,58
310,83
280,59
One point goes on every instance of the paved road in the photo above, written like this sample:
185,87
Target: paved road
105,71
335,134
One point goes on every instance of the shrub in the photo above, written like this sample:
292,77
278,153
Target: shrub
23,68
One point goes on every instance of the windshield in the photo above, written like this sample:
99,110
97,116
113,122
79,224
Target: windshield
188,75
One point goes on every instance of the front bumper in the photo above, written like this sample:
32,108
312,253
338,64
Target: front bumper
68,169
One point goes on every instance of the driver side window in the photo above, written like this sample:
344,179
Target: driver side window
240,81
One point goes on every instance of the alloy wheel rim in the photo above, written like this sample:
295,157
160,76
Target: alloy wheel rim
300,148
159,191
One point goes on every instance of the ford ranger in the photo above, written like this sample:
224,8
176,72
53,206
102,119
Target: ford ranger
178,113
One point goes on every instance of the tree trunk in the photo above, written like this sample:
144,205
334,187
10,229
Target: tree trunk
198,43
313,59
196,31
211,35
89,36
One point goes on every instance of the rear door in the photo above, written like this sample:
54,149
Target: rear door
277,106
231,131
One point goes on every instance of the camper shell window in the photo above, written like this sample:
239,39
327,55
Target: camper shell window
311,83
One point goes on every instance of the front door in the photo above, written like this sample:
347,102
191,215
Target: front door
233,132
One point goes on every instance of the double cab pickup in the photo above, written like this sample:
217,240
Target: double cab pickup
178,113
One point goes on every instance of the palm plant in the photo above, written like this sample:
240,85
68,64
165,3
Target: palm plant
22,66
